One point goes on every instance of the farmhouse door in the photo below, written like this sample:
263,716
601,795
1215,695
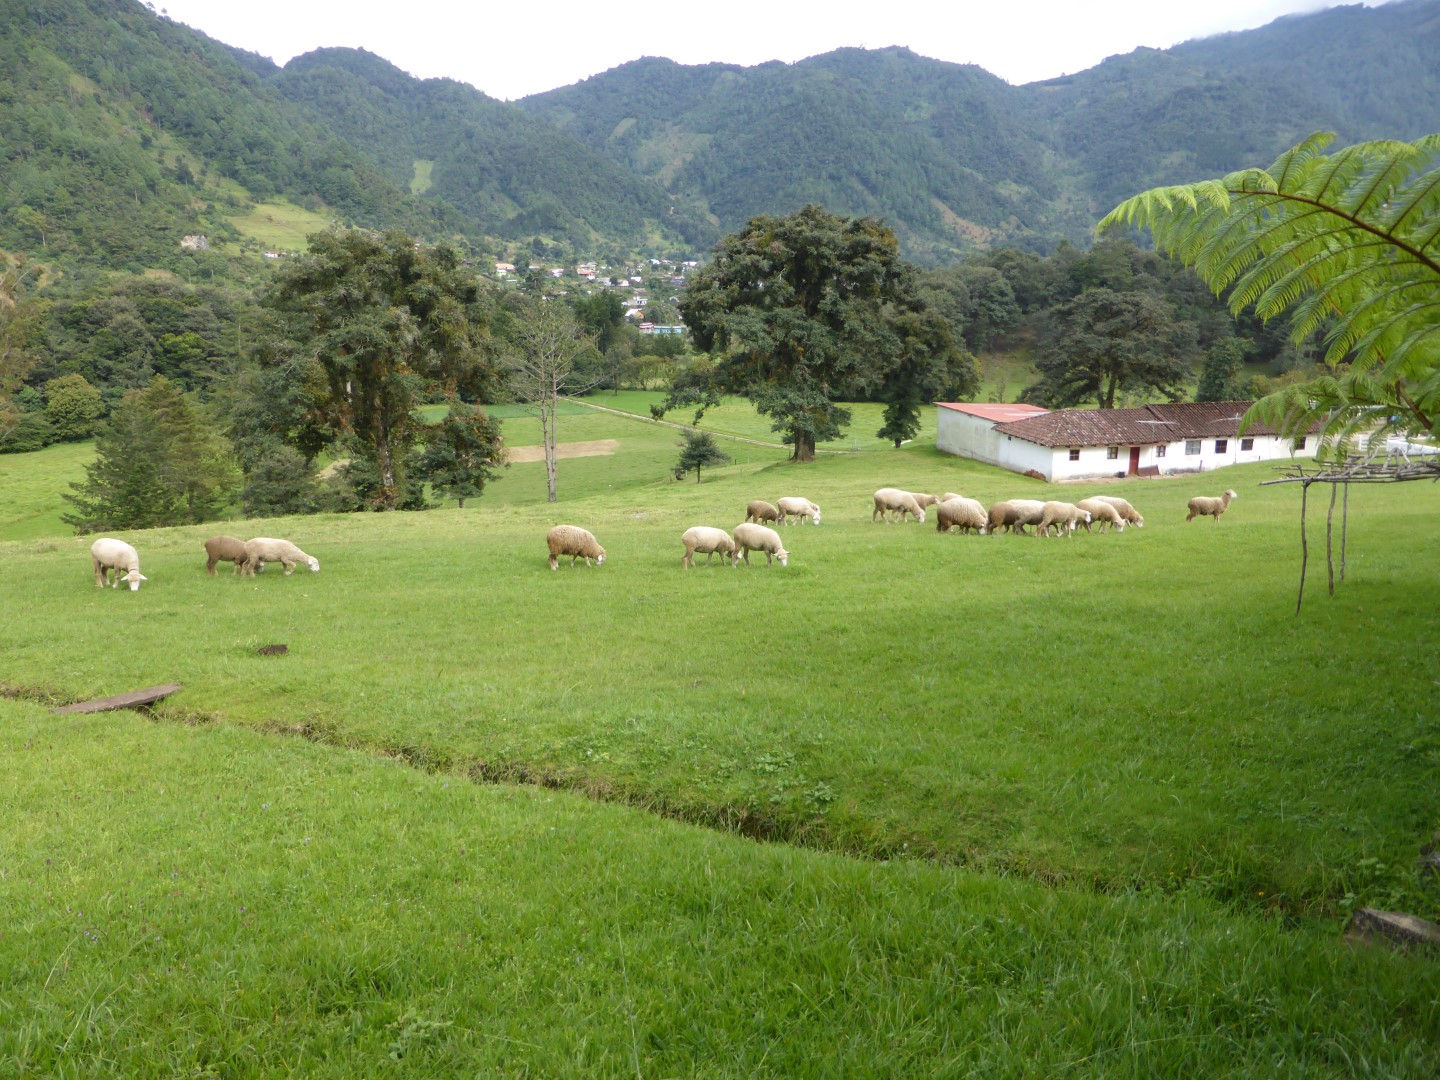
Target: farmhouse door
1134,460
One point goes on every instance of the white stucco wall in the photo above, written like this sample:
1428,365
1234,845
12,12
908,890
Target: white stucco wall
975,437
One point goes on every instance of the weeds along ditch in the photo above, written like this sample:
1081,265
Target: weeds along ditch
208,900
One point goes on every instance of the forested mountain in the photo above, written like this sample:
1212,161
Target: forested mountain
955,158
122,131
510,174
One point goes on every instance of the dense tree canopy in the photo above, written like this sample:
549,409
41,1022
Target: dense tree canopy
802,312
385,319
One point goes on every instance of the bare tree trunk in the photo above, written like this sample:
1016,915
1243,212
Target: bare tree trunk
548,416
804,447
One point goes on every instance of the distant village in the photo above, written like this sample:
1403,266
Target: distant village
640,284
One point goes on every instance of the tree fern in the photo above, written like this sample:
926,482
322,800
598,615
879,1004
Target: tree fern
1345,244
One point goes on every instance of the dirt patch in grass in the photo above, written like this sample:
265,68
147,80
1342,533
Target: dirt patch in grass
594,448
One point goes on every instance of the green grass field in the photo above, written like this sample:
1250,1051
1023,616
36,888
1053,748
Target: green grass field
913,805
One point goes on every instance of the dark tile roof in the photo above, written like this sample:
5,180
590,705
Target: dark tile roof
1143,426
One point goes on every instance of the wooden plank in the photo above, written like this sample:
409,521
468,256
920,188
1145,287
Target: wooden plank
121,701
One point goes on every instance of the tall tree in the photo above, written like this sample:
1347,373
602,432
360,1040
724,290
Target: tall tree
799,312
462,452
1219,377
386,318
544,358
930,366
18,318
1103,342
1346,244
157,462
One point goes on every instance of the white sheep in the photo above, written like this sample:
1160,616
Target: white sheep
1128,512
220,549
107,554
901,502
1103,513
1202,506
794,506
704,539
956,511
760,511
576,542
1022,512
1066,515
749,537
265,549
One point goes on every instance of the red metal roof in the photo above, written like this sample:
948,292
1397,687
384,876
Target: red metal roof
1147,425
999,413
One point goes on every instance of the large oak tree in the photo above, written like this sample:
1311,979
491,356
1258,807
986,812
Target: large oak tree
802,312
385,319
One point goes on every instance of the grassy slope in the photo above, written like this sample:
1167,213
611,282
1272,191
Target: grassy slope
207,901
1139,711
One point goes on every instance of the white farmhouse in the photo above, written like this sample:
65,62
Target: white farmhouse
1151,440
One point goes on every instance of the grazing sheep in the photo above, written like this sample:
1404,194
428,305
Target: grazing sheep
1015,514
750,538
1103,513
798,508
961,513
576,542
1128,512
760,510
924,501
1201,505
705,539
1066,515
107,554
220,549
265,549
901,502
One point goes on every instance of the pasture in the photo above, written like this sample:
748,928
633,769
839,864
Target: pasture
915,804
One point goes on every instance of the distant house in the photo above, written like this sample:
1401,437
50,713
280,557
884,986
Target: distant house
503,268
1076,443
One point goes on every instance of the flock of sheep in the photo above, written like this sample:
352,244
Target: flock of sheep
109,556
952,511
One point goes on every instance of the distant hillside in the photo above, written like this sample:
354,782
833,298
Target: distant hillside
122,132
509,174
955,158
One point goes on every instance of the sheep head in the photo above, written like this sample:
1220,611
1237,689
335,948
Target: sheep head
314,564
134,577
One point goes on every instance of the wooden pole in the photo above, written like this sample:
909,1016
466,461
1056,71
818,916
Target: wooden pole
1304,547
1329,544
1344,525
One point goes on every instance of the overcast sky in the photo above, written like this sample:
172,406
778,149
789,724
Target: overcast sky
511,50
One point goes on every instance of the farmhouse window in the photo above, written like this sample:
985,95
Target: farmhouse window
1247,444
1192,446
1300,443
1074,453
1112,452
1159,451
1221,445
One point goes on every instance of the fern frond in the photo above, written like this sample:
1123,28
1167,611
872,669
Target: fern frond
1347,242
